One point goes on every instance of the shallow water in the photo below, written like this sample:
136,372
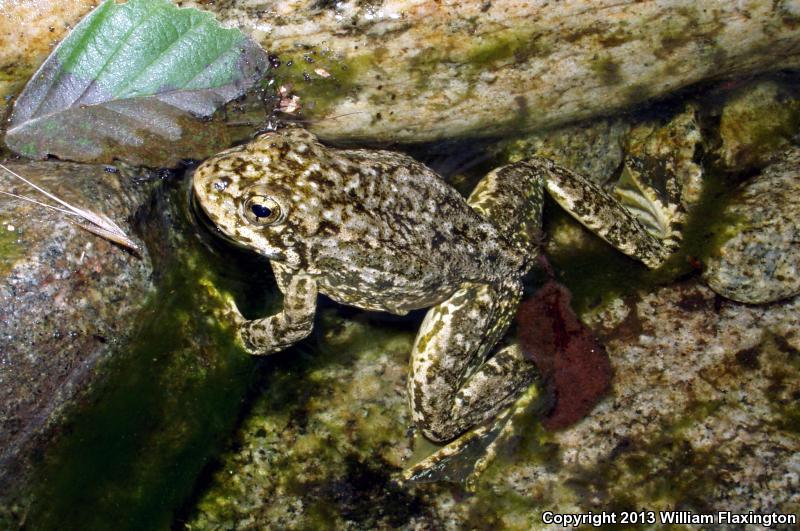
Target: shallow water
164,443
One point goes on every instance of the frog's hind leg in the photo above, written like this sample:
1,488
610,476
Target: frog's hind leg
462,375
600,212
512,197
458,376
452,385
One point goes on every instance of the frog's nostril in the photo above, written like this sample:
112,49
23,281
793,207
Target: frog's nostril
221,184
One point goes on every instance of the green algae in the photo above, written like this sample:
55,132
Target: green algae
607,69
319,94
481,54
11,249
506,46
131,452
345,74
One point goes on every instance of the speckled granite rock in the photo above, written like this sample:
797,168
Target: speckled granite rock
702,416
758,120
594,149
416,70
67,297
759,260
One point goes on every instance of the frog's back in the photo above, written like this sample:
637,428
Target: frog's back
399,237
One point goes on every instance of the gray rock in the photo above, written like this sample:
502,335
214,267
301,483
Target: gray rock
67,299
759,259
701,417
419,70
757,121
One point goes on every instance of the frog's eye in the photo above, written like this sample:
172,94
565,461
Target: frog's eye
262,210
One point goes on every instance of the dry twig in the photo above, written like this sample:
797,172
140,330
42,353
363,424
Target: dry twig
98,224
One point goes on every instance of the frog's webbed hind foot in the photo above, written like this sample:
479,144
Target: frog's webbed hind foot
467,457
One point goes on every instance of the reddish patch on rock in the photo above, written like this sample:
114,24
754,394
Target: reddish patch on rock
573,363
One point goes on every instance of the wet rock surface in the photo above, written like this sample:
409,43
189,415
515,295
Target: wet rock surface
137,412
67,299
698,424
759,119
759,261
420,70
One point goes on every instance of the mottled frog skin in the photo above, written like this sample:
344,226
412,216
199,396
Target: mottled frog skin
380,231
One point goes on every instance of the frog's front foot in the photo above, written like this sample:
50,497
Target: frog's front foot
282,330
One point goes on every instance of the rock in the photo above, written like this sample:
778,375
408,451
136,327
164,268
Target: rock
119,425
670,149
759,120
759,259
67,300
701,417
322,441
410,71
594,149
28,33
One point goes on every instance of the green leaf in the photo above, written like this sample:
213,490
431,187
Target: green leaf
137,82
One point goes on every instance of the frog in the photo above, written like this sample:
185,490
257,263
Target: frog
379,230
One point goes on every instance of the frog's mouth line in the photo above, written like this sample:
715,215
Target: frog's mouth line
202,220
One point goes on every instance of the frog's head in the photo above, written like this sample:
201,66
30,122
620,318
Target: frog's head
251,194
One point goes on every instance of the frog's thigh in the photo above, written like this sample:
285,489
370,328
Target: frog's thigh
294,322
452,387
511,197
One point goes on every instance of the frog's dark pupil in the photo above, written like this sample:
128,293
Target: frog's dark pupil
260,211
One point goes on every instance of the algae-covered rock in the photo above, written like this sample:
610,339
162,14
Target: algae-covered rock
149,379
400,70
416,70
701,389
759,260
758,121
68,300
323,444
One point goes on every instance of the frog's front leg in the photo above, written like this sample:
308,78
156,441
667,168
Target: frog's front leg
452,385
293,323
